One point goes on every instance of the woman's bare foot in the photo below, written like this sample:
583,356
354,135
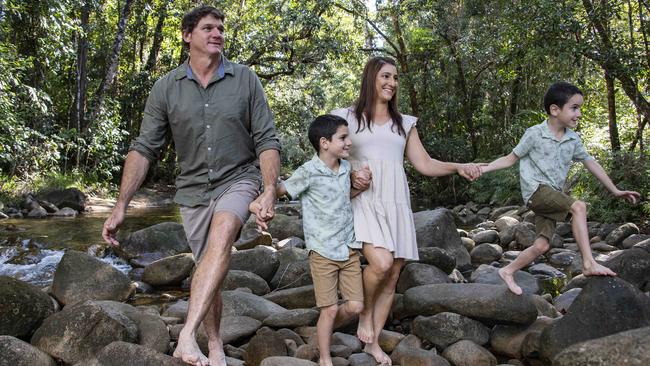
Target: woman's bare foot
188,351
510,281
216,356
595,269
377,353
365,331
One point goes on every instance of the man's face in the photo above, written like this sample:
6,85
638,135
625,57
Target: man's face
207,37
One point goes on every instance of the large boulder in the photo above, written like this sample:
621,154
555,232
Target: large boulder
417,274
23,307
437,257
19,353
261,260
292,318
239,303
154,242
120,353
80,331
436,228
619,234
293,270
283,226
80,277
70,197
632,265
236,279
606,305
444,329
266,343
294,298
468,353
489,275
169,271
508,339
486,253
628,348
488,303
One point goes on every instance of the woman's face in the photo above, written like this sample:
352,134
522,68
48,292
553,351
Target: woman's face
386,83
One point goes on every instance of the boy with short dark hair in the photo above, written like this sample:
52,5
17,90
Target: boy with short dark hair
323,187
546,151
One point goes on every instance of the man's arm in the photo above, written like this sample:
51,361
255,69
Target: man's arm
600,174
501,163
270,166
135,171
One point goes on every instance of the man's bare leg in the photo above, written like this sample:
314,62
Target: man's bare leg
539,247
212,323
581,234
206,282
380,262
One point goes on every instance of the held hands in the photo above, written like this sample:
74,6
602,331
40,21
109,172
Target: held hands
264,209
630,196
361,178
471,171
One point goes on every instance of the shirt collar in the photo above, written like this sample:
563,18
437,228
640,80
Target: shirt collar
320,166
225,67
569,134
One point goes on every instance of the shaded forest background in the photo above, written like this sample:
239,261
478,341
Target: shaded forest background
74,77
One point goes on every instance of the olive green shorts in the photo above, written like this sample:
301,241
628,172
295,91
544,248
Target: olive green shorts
549,206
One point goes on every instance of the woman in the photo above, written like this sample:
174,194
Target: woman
383,219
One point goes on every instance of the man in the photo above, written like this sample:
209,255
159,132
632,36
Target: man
222,126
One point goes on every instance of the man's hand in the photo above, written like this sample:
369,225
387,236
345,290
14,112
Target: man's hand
630,196
112,225
470,171
361,178
264,209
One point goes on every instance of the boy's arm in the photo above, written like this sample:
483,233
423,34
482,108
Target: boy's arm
598,172
255,206
501,163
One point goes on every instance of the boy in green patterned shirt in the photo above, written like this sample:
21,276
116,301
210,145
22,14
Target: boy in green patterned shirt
546,152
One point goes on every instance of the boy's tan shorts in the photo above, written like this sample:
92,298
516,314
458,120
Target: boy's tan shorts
549,206
196,220
328,275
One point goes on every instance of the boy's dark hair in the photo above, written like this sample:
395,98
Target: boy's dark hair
194,16
559,94
324,126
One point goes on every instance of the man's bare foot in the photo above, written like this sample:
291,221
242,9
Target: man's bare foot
595,269
377,353
365,332
510,282
188,351
216,355
325,362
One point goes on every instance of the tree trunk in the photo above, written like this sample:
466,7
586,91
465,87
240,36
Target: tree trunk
611,112
113,63
402,56
157,37
81,80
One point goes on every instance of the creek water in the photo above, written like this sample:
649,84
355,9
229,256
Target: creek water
30,249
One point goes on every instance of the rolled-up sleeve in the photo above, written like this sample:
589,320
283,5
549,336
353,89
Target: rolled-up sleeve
525,144
154,127
262,123
579,153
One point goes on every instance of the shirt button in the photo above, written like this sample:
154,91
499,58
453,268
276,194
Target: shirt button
208,126
206,104
210,170
209,148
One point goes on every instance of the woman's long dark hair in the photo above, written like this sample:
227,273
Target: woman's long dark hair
364,105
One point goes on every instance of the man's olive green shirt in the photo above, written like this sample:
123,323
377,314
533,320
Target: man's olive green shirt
218,131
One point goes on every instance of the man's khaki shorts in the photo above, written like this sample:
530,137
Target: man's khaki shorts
328,275
196,220
549,206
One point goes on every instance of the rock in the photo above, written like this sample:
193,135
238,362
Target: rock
286,361
294,298
436,228
66,212
628,348
505,222
19,353
645,245
468,243
293,270
237,328
601,246
250,238
605,306
416,274
261,260
339,350
123,353
605,229
508,339
266,343
486,236
70,197
153,243
523,233
283,226
486,253
564,301
80,277
37,213
468,353
177,310
350,341
169,271
503,211
545,271
292,242
633,239
437,257
308,352
488,275
545,308
562,259
491,303
388,340
48,206
616,237
445,328
632,265
237,279
409,352
362,359
292,318
80,331
23,307
238,303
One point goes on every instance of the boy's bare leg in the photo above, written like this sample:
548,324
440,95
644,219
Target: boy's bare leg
526,257
207,279
380,262
324,329
581,234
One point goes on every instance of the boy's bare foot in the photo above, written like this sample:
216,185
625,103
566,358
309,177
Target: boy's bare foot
216,355
596,269
510,281
188,351
365,332
377,353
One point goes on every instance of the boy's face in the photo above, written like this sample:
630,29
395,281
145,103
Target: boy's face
339,145
569,114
